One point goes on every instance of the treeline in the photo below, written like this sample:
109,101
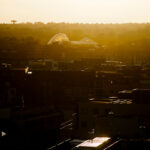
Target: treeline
125,42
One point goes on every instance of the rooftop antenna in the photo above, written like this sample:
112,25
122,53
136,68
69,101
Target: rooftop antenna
92,133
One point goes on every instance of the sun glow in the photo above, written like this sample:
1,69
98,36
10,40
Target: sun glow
85,11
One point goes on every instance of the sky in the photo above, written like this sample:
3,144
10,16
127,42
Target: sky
75,11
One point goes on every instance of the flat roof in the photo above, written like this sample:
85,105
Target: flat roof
96,142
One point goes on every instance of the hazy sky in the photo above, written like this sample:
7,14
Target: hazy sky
91,11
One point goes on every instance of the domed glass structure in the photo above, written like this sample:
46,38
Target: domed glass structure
62,38
59,38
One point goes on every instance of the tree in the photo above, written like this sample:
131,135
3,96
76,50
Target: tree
13,21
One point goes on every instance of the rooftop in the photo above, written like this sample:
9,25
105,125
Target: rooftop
96,142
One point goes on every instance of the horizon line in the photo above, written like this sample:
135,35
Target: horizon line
65,22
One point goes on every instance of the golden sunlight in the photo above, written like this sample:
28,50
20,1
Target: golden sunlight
83,11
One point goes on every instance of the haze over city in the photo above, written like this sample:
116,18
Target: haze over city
73,11
75,74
